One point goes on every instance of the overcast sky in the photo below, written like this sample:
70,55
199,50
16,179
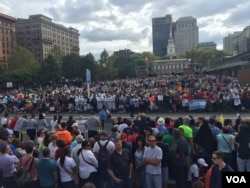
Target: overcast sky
120,24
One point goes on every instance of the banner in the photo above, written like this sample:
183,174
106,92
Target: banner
197,104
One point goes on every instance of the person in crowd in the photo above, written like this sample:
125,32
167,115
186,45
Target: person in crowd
102,157
215,130
120,159
20,124
70,122
27,162
53,123
93,124
74,151
217,169
8,163
52,145
5,119
179,153
141,122
9,141
128,130
152,159
123,125
6,128
41,134
205,142
13,122
196,171
82,123
188,133
47,170
132,105
74,134
108,123
60,145
75,127
42,122
18,148
161,126
225,143
64,134
243,140
140,146
103,115
134,135
165,159
88,164
32,125
67,167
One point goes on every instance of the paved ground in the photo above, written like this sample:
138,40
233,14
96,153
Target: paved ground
153,115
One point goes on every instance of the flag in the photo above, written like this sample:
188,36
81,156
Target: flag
221,119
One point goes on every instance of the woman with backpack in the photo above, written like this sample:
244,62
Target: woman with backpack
88,164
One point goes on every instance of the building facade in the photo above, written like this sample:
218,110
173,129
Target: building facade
186,35
206,46
39,34
123,53
242,41
7,37
166,67
229,42
160,34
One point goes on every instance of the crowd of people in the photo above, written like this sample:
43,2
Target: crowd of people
165,93
139,152
99,151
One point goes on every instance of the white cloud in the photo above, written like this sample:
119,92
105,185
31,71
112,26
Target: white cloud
119,24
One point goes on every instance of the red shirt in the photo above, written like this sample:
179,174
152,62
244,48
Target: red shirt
13,123
132,138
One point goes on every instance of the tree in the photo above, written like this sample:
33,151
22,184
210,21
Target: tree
70,66
57,54
23,68
106,70
50,70
201,59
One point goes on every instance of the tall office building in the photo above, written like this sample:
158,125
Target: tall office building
186,35
7,38
160,34
39,34
229,42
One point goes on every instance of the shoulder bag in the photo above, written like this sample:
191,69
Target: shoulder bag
25,175
87,161
72,175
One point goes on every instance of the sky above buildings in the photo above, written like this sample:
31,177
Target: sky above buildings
120,24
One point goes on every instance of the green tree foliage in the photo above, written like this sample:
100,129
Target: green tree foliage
105,70
57,54
71,66
50,70
23,67
202,58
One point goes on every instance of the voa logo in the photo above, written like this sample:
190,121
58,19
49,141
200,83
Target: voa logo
236,179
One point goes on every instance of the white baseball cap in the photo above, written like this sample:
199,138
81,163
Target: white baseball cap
202,162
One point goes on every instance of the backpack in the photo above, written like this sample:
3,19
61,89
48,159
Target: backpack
103,154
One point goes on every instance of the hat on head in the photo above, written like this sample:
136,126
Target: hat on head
202,162
161,121
123,137
75,125
79,138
